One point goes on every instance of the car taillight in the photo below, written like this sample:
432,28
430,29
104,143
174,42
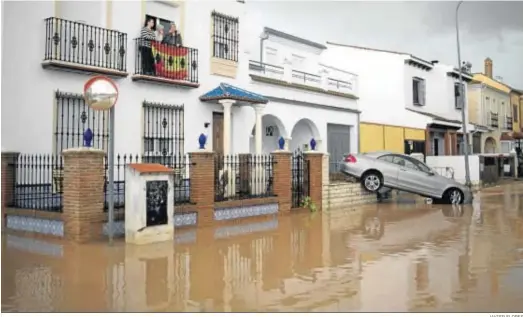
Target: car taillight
350,159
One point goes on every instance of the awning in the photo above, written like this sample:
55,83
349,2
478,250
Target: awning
510,136
226,91
438,121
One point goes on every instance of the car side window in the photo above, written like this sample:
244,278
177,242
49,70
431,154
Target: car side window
386,158
405,162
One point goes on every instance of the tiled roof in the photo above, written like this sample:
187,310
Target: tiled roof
226,91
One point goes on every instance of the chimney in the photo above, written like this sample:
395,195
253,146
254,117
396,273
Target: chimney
488,67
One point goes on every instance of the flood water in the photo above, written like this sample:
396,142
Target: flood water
379,257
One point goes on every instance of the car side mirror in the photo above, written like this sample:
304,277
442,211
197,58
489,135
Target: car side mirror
431,173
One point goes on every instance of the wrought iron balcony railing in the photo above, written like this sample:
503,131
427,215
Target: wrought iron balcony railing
493,120
508,123
82,46
165,62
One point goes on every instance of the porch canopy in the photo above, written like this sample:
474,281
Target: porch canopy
439,122
228,95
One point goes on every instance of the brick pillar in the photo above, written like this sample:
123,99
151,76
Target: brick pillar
282,180
447,143
8,180
83,196
454,139
202,185
315,160
428,144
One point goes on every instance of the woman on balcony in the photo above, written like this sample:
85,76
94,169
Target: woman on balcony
173,37
147,35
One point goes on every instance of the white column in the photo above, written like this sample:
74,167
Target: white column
287,143
227,104
258,108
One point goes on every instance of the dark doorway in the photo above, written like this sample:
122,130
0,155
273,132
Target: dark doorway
412,146
476,143
217,132
435,146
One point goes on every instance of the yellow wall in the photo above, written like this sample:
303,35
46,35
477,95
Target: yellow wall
376,137
491,82
516,121
473,98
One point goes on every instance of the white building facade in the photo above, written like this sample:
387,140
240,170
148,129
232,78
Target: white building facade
407,103
167,92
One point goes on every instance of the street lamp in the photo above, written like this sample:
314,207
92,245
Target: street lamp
463,116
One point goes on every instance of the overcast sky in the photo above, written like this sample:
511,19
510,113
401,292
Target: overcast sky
425,29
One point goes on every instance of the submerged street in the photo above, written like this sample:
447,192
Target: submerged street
378,257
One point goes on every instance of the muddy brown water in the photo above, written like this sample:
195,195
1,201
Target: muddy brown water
383,257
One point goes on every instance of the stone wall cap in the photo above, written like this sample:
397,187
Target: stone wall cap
83,150
204,151
149,168
10,153
313,153
281,152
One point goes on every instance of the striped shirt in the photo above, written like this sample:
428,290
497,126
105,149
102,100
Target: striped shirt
149,35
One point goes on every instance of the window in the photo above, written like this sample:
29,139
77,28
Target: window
165,23
297,61
386,158
163,138
418,91
73,117
225,36
506,146
271,56
459,95
515,112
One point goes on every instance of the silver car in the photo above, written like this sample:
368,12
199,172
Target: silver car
397,171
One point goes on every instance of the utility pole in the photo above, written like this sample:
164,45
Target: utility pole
463,106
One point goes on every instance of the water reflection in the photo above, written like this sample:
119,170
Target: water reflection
384,257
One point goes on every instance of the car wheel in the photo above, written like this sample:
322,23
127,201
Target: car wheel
453,196
372,182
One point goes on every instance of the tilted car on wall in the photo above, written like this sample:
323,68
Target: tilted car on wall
397,171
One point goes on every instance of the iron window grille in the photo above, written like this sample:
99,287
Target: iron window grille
225,36
163,136
72,117
418,91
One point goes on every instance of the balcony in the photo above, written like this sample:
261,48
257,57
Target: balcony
79,47
508,123
284,75
165,64
493,120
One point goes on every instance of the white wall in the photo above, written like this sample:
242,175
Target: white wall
458,164
381,88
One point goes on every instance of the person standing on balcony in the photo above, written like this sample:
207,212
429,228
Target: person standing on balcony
159,33
147,35
173,37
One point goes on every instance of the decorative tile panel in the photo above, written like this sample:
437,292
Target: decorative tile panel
185,219
231,231
119,228
43,226
245,211
185,237
35,246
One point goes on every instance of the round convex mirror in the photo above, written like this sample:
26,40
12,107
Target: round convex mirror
100,93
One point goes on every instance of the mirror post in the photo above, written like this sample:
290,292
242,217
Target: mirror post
110,190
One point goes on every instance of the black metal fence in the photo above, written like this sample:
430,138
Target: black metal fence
299,178
38,182
153,58
73,117
243,176
181,165
83,44
226,34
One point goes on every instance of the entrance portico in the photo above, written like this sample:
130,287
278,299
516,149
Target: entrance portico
228,96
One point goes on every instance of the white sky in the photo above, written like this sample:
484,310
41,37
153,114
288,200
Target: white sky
426,29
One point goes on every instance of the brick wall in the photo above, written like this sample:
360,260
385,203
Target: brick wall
282,180
83,196
315,177
8,181
202,185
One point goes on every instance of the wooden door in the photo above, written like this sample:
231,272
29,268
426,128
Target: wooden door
217,132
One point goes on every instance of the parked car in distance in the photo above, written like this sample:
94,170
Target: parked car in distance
397,171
